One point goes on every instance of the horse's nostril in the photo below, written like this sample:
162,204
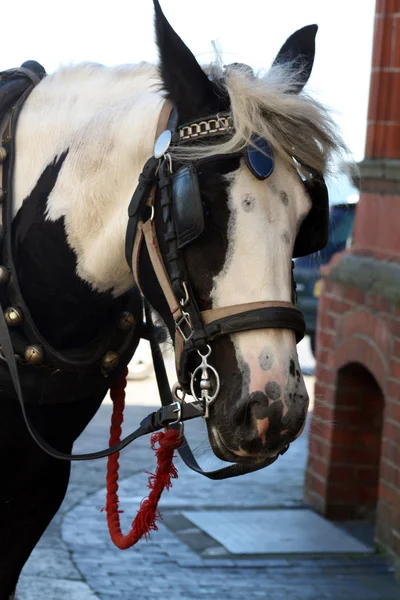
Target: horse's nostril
256,419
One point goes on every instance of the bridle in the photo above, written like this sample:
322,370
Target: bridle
194,329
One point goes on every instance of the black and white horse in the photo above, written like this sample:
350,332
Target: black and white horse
83,136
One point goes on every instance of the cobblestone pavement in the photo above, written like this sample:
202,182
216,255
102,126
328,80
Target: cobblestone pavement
75,560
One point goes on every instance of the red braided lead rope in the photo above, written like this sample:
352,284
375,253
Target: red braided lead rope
145,520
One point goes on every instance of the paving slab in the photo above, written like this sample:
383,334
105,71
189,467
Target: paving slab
43,588
296,531
52,563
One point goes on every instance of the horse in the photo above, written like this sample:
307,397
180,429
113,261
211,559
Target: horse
240,164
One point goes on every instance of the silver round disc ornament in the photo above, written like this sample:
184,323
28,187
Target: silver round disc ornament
162,143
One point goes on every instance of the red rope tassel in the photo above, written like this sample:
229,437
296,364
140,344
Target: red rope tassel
145,520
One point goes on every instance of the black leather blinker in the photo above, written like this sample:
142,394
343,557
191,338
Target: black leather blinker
313,233
187,206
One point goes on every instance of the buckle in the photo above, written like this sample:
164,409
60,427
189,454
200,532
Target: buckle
176,409
184,321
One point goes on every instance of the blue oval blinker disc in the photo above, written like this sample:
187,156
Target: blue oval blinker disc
260,158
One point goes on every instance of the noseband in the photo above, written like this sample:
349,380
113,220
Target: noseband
179,201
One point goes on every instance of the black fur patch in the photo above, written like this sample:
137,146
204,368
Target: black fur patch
273,390
285,198
66,310
248,203
265,359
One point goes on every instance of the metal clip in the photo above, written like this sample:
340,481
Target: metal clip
185,319
205,382
178,392
168,158
184,300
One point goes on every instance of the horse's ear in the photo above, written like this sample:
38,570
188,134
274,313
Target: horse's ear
186,84
299,50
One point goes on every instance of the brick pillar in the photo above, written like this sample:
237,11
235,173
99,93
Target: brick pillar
383,131
374,232
353,466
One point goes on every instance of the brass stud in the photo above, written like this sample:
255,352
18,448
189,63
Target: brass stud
13,316
110,360
127,321
34,355
3,154
2,194
4,274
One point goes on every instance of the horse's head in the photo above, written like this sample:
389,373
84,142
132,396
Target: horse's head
241,216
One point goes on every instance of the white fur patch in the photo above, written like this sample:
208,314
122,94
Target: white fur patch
258,263
106,118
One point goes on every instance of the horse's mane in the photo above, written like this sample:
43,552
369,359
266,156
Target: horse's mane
296,125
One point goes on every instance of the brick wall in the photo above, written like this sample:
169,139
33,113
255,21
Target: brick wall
353,467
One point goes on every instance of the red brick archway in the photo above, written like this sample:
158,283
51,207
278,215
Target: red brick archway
345,445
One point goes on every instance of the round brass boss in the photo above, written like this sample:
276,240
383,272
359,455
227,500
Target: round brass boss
110,360
3,154
34,355
127,321
13,316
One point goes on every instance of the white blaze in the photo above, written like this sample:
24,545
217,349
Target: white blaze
264,215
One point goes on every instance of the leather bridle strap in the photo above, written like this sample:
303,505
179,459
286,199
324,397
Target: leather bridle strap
143,195
254,315
148,231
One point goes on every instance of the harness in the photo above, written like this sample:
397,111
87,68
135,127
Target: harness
177,196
